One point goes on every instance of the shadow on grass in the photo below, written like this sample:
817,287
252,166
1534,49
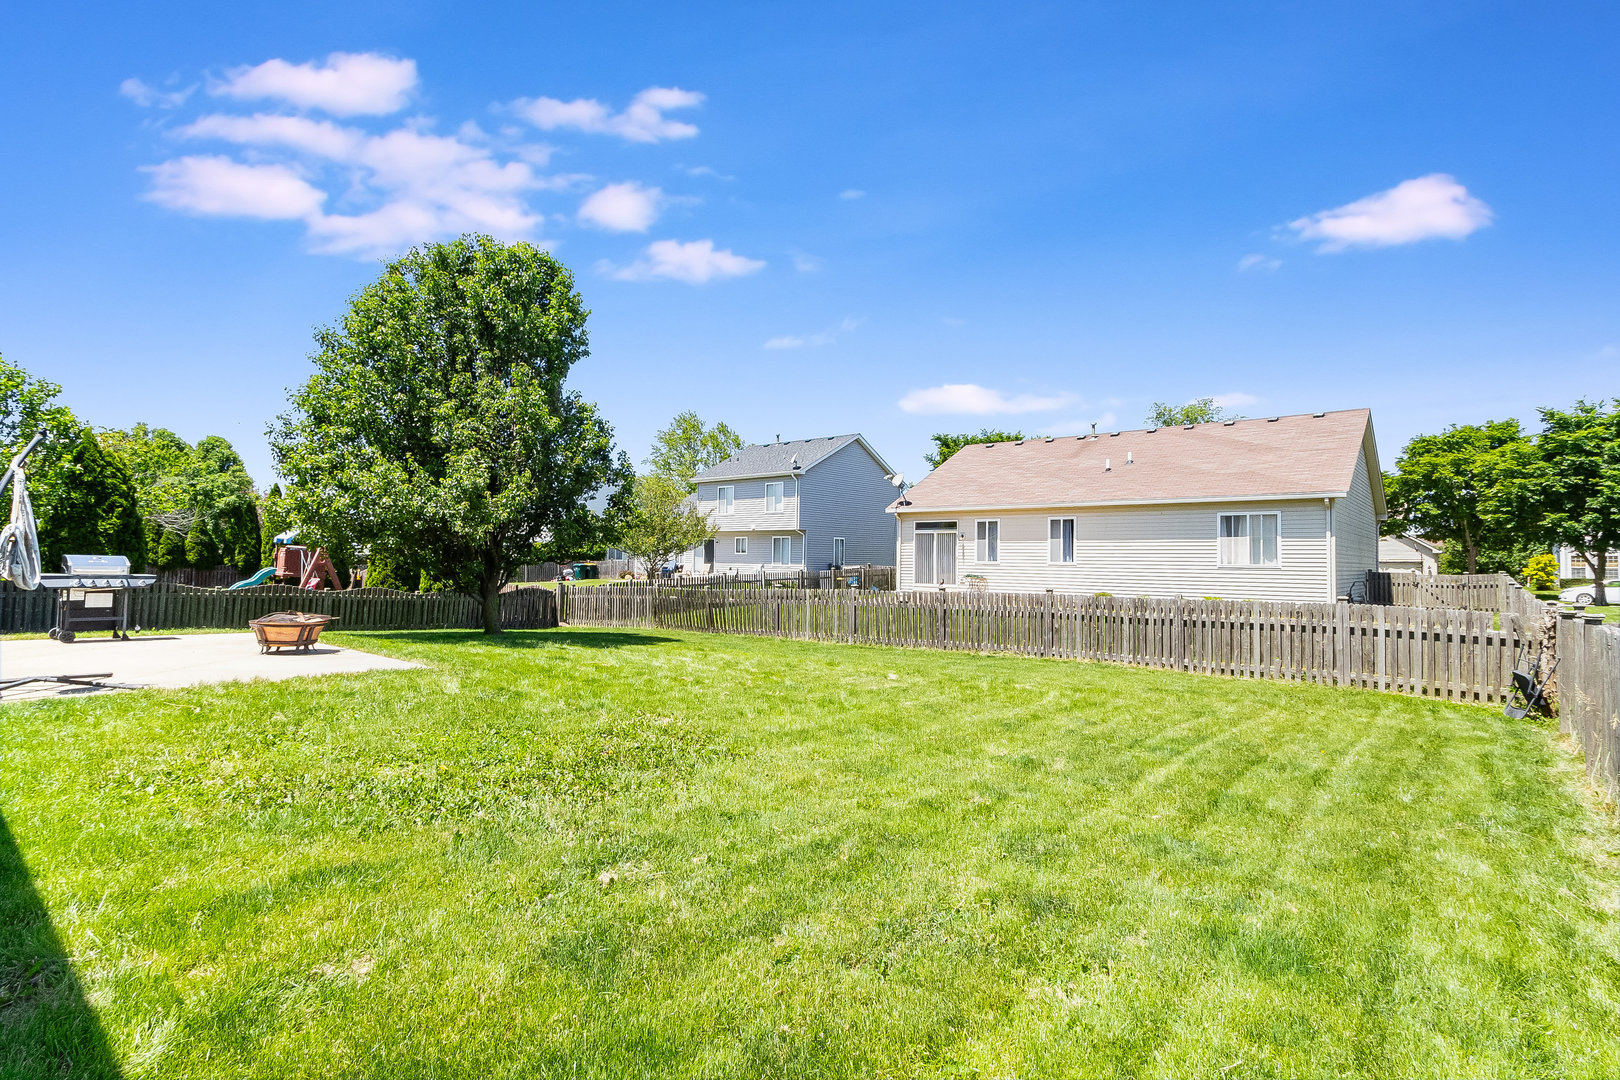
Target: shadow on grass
531,639
47,1028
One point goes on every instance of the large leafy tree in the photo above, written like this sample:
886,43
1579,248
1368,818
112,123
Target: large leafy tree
28,406
1200,411
1571,486
662,522
87,506
946,443
686,447
182,487
437,425
1453,487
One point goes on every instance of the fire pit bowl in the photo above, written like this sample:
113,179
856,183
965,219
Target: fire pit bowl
289,630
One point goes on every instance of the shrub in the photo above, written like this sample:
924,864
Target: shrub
384,572
171,550
1541,573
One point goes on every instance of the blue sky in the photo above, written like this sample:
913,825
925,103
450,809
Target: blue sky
893,219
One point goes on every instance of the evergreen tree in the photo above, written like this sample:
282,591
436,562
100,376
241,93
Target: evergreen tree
87,506
171,550
202,551
272,523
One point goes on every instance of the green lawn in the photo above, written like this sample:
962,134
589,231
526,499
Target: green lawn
620,853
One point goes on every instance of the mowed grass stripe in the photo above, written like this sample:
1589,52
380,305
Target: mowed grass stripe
610,853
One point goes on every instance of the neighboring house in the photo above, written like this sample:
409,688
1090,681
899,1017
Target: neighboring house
1571,565
1279,509
807,505
1408,552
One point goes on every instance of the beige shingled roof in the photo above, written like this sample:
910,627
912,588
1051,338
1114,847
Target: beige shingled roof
1301,455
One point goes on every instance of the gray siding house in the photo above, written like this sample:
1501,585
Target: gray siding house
804,505
1285,508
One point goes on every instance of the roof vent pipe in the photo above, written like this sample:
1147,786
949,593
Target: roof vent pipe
1130,457
1108,465
1094,429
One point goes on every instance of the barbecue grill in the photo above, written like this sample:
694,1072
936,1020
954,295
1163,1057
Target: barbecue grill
93,594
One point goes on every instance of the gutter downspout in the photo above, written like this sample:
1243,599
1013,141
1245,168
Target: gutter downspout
1332,554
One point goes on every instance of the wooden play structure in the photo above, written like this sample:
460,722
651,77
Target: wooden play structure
301,566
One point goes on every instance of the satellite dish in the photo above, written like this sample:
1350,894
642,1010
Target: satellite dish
898,480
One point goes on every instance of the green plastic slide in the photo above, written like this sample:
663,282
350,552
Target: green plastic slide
257,579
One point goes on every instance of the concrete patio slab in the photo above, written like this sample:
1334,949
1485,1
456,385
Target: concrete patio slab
174,660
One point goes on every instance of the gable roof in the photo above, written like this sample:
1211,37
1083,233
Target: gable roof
1303,456
777,459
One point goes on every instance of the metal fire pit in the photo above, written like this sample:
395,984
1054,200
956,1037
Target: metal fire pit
289,630
93,594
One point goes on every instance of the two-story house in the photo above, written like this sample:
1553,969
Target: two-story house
809,504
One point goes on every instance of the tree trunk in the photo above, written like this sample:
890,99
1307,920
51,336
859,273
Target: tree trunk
1600,594
489,588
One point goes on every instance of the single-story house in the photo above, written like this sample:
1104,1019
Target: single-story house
1285,508
808,504
1408,552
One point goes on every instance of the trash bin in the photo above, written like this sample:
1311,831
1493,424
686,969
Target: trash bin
583,570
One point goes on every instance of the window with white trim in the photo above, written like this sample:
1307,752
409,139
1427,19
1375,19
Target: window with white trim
838,551
1060,534
726,496
986,548
773,497
740,545
782,550
1249,539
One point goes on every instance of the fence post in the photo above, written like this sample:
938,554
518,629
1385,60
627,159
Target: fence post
1341,643
942,616
1046,626
562,602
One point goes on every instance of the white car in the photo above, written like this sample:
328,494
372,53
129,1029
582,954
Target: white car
1583,594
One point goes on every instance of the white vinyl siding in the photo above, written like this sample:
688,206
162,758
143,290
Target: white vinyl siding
782,550
727,498
739,545
1162,551
1248,539
1355,532
987,541
773,497
1060,540
748,513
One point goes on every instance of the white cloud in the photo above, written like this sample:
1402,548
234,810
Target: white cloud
969,399
1257,262
820,337
626,207
1420,209
407,185
218,186
694,262
852,193
321,137
643,120
347,84
704,170
147,96
807,264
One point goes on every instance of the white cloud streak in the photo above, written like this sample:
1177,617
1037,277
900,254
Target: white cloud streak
820,337
643,120
626,207
972,400
1257,262
850,194
149,96
1425,208
695,262
219,187
1235,399
347,84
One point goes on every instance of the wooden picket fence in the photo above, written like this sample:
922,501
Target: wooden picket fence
1588,684
1446,654
174,607
1460,592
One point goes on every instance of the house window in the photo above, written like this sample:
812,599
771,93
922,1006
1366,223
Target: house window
1060,533
1249,539
838,551
727,497
934,553
985,547
740,545
782,549
773,498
